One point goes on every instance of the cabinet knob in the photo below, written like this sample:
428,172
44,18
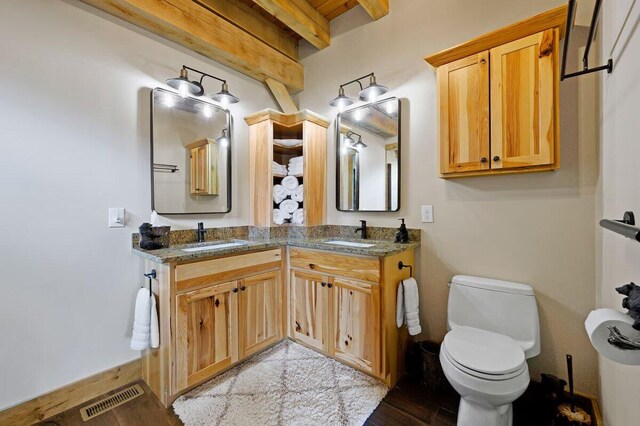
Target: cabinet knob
483,160
329,285
483,61
496,158
243,288
312,266
323,284
235,290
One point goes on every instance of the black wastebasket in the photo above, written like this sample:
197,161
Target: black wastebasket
429,357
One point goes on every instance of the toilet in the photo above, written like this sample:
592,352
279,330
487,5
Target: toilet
493,329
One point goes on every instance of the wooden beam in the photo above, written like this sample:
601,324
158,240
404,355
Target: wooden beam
247,18
282,96
375,121
197,28
302,18
375,8
73,394
550,19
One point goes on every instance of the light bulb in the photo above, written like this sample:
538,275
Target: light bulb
224,142
391,107
207,112
183,89
167,100
358,115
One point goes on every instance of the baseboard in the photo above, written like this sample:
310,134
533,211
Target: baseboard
61,399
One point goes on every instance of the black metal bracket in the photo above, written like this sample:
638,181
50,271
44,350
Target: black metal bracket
202,76
151,275
625,227
401,266
592,32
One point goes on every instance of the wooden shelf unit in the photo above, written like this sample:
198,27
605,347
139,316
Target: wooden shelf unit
311,128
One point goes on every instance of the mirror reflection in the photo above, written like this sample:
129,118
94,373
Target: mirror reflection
368,157
191,154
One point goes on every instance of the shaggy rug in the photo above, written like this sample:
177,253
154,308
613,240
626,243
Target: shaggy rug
285,385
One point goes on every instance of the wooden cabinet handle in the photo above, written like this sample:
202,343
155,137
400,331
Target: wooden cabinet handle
483,160
496,158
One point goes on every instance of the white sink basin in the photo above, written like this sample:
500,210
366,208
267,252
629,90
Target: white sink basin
349,244
214,246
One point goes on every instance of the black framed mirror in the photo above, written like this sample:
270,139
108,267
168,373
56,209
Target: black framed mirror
191,142
368,146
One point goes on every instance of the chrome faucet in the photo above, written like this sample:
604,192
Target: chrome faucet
201,232
363,229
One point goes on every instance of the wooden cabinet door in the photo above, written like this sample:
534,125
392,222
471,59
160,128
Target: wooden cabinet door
206,333
260,310
199,167
524,90
309,309
356,332
463,95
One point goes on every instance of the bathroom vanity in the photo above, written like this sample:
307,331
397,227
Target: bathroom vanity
230,299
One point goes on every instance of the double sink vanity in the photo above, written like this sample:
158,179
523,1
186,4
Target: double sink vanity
244,289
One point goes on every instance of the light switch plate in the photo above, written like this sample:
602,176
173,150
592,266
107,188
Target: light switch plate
427,214
116,217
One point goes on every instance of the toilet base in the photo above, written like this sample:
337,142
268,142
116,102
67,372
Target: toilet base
473,414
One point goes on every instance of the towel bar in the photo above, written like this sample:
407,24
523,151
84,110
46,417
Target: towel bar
151,275
401,266
625,227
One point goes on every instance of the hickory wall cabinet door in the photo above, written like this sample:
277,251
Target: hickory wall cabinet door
260,310
206,333
463,94
524,92
309,309
355,333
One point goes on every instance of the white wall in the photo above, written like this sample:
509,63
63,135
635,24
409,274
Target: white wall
536,228
74,132
619,191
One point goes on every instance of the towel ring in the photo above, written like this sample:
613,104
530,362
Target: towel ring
401,266
152,276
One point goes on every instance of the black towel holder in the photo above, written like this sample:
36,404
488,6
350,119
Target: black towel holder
625,227
401,266
152,276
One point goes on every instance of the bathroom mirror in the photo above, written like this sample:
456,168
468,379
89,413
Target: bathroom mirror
368,157
190,155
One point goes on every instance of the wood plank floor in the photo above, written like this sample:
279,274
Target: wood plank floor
408,404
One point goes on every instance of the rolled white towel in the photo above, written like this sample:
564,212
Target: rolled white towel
296,159
142,321
289,206
407,306
298,194
290,183
279,216
298,217
279,193
287,142
154,334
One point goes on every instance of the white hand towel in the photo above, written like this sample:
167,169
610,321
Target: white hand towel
290,183
296,160
142,321
279,216
288,142
298,217
289,206
407,303
155,328
298,194
279,193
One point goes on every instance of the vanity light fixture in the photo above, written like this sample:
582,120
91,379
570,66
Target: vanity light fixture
367,94
185,87
223,140
359,145
349,141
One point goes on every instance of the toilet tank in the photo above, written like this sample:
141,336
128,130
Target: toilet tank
499,306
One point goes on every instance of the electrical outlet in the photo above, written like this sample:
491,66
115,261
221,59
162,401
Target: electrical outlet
116,217
427,214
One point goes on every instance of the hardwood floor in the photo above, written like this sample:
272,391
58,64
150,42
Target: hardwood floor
408,404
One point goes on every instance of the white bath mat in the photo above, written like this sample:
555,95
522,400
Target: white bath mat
286,385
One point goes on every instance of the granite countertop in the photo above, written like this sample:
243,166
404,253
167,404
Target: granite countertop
255,239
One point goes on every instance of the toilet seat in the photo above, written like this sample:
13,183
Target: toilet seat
483,354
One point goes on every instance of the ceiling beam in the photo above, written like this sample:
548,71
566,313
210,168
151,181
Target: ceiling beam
281,95
245,17
197,28
375,8
302,18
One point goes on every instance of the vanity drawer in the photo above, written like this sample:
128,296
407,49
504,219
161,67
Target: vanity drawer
190,275
360,268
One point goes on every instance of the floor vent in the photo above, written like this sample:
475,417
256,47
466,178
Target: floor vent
106,404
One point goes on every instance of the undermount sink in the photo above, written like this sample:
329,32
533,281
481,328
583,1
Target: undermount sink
215,246
349,244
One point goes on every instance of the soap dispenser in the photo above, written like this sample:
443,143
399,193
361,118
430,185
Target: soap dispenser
402,236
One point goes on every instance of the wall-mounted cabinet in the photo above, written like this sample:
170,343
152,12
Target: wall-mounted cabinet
498,100
305,161
203,173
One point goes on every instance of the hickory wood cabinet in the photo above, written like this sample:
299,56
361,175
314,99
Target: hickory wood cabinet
203,175
498,100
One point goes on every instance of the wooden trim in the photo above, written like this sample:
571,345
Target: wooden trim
375,8
195,27
302,18
533,169
550,19
287,119
70,395
281,95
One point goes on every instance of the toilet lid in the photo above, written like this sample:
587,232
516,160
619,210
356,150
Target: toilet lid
484,351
